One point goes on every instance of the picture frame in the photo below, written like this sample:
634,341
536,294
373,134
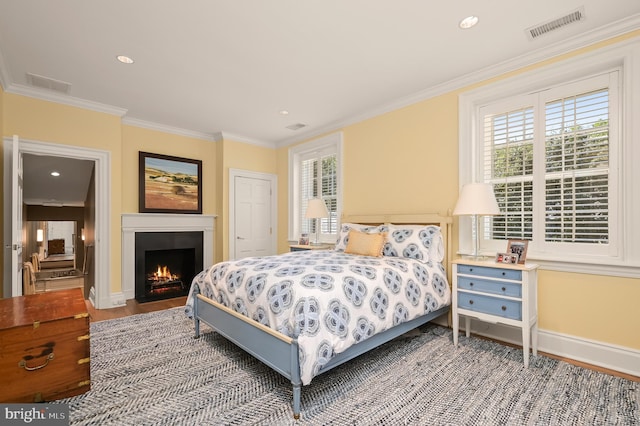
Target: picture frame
304,240
169,184
518,247
510,258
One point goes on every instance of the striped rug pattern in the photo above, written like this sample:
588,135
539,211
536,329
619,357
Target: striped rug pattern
148,370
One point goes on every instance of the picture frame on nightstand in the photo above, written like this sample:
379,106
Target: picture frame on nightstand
519,248
509,258
304,240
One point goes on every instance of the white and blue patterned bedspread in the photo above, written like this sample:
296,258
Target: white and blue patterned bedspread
334,299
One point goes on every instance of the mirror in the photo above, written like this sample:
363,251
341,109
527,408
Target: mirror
60,238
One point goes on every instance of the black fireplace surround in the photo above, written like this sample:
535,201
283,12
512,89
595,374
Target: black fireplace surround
178,252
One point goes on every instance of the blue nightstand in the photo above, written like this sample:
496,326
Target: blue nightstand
497,293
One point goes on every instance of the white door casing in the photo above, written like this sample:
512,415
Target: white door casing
100,295
252,214
13,212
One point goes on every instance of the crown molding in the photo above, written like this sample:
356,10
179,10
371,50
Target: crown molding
51,96
615,29
130,121
243,139
618,28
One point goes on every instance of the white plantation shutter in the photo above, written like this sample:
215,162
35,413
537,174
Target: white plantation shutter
318,180
315,173
577,168
548,156
508,165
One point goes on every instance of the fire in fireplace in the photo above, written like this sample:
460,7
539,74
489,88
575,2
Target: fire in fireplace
166,263
163,280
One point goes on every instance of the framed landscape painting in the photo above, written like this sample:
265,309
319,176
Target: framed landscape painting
169,184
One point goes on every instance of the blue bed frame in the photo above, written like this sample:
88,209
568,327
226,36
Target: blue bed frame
280,352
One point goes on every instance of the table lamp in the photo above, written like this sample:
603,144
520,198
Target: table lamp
316,209
476,199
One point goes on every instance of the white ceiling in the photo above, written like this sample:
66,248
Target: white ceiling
69,189
211,67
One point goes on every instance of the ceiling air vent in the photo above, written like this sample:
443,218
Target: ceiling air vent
547,27
48,83
296,126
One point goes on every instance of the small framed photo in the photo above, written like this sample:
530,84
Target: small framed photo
518,247
511,258
304,240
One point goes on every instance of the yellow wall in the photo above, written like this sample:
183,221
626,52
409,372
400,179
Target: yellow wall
55,123
596,307
135,139
406,161
395,163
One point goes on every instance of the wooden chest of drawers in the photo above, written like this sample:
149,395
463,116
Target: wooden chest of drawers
44,347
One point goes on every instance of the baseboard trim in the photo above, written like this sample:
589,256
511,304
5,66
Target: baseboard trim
115,300
613,357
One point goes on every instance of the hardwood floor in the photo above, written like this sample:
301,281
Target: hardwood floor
134,307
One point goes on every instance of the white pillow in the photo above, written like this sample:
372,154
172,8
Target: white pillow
343,235
420,242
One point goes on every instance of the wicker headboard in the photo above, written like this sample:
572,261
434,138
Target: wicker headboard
444,222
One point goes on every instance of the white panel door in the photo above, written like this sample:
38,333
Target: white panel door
253,232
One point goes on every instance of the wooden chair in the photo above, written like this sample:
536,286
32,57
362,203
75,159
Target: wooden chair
28,279
35,260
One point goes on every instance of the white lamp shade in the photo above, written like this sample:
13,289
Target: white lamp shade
316,209
477,199
39,235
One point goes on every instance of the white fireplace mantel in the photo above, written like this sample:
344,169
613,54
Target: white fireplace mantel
154,222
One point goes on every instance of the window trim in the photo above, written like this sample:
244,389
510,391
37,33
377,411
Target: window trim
625,57
335,141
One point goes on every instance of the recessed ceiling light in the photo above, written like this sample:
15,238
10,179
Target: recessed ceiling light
284,112
468,22
55,174
124,59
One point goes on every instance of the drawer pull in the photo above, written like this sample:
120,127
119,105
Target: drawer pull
504,308
470,284
504,273
471,302
23,363
504,289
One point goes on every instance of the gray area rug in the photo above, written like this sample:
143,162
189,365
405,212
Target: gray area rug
148,370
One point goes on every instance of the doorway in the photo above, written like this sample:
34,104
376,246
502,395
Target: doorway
96,228
252,214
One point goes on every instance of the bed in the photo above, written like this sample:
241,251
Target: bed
305,312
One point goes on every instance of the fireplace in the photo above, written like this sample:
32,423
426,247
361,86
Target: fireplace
166,263
163,224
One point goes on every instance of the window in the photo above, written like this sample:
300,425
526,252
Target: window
551,143
315,173
555,167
